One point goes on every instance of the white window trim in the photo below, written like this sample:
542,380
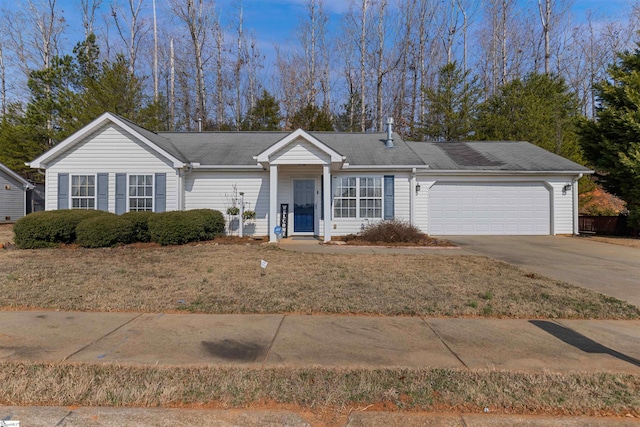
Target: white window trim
358,197
153,191
95,191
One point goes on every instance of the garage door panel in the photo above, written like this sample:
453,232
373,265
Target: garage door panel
489,208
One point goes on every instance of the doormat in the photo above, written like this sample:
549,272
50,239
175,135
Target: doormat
303,238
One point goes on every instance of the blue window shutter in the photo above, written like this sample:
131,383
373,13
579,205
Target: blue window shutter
103,192
63,191
160,199
121,193
388,197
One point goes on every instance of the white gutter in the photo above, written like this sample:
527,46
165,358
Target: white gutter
412,167
227,167
500,172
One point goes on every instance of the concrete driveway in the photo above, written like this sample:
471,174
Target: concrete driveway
609,269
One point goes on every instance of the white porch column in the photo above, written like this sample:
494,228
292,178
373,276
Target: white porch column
326,182
273,201
412,199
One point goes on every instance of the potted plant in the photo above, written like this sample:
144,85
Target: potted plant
249,215
233,210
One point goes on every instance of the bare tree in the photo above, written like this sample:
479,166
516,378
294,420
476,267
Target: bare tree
131,28
545,21
155,54
197,19
89,8
3,82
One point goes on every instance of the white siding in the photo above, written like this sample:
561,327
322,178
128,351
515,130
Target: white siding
12,199
422,204
111,150
300,152
562,206
215,190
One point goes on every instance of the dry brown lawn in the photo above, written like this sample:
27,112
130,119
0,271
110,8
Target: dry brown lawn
214,278
335,391
622,241
6,233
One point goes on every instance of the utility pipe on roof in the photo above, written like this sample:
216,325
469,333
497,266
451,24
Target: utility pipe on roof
389,141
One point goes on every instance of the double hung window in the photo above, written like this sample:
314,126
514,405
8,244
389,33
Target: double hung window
141,193
83,192
358,197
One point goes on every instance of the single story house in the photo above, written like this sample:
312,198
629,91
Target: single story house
316,183
13,195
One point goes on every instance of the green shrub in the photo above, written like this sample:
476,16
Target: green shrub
140,224
49,228
212,222
105,230
180,227
393,231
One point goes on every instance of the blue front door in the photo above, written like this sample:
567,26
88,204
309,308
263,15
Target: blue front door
303,205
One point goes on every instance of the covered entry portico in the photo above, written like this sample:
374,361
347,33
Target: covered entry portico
300,169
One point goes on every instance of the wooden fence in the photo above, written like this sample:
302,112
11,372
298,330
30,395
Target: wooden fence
611,225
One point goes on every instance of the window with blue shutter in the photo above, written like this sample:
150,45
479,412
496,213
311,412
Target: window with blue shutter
63,191
121,193
389,203
160,198
103,191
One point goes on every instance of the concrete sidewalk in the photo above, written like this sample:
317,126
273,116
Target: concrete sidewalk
117,417
304,341
321,340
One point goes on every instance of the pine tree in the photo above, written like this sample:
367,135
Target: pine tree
611,142
540,109
265,115
451,105
312,118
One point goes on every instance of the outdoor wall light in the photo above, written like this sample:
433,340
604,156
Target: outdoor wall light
417,189
566,188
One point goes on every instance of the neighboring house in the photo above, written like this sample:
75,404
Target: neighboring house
13,195
333,183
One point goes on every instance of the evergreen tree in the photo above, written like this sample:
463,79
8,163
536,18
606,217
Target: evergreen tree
451,105
18,144
349,119
54,99
611,142
540,109
265,115
312,118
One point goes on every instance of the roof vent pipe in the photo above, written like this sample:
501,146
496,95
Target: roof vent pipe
389,141
199,124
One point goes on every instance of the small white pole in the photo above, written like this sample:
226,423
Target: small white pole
241,219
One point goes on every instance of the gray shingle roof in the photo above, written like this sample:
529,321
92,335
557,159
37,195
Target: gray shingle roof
239,148
495,155
366,149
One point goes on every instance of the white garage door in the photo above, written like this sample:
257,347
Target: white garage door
489,208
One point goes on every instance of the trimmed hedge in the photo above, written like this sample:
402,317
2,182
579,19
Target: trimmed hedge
180,227
105,230
140,223
94,229
49,228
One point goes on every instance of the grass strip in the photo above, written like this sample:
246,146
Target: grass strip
426,389
210,278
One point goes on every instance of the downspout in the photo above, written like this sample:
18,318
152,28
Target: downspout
576,225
